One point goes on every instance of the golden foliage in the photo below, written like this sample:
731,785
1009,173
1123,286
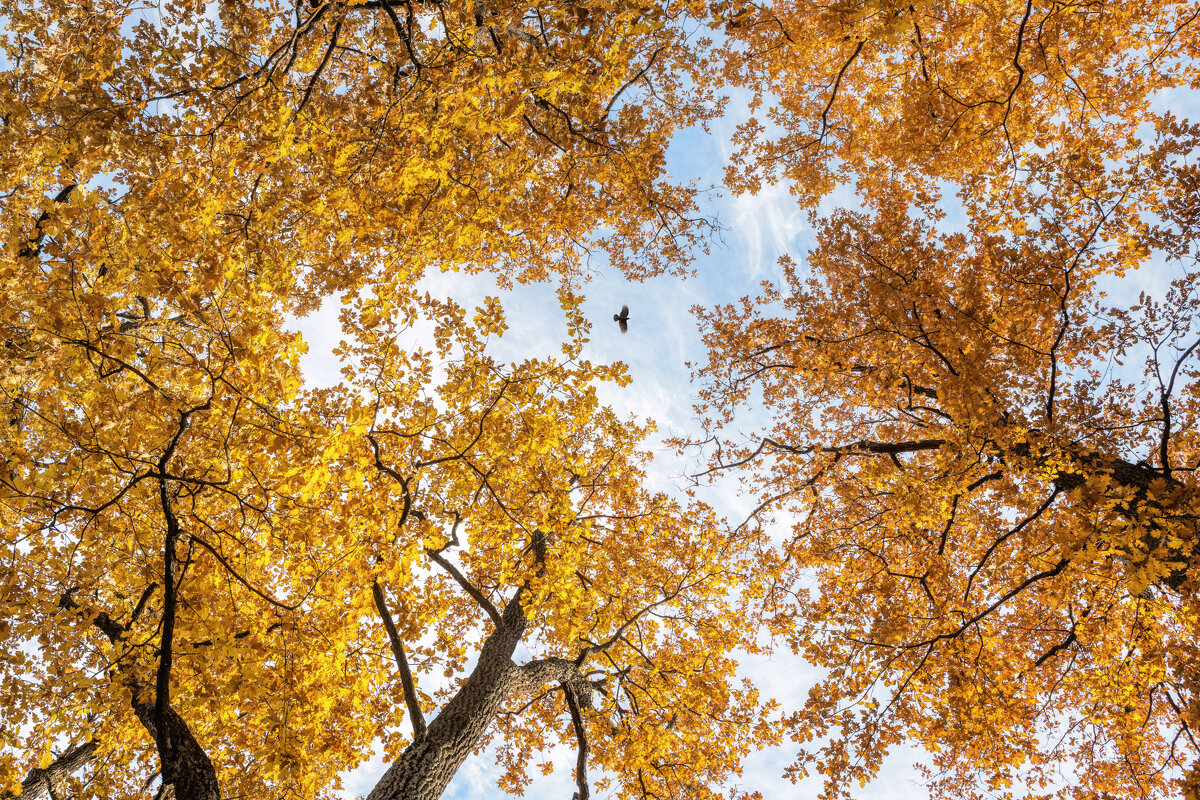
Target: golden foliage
199,554
996,546
214,572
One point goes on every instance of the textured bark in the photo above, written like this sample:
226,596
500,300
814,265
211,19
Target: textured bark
184,763
40,782
426,766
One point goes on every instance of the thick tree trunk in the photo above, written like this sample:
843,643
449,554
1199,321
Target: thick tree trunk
40,782
426,766
184,763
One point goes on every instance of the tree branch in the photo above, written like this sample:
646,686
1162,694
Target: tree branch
185,765
581,780
41,781
406,679
239,578
425,767
33,248
466,585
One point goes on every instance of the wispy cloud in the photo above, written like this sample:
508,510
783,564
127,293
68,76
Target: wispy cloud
765,226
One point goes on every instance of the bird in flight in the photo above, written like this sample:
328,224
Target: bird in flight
622,318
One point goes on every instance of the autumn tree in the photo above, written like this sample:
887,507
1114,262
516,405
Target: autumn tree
261,583
345,139
863,92
219,580
990,460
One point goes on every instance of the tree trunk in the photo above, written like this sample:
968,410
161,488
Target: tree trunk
426,766
183,762
185,765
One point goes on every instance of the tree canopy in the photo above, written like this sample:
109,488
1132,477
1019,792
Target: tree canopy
975,488
991,459
220,577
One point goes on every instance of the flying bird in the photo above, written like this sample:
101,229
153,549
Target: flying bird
622,318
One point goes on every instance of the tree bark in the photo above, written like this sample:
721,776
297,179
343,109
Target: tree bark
184,765
41,781
426,766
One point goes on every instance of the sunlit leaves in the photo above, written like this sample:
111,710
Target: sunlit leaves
994,506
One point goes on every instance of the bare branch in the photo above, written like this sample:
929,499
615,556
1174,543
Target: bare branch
238,577
467,586
406,679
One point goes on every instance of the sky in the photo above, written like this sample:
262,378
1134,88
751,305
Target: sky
755,231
